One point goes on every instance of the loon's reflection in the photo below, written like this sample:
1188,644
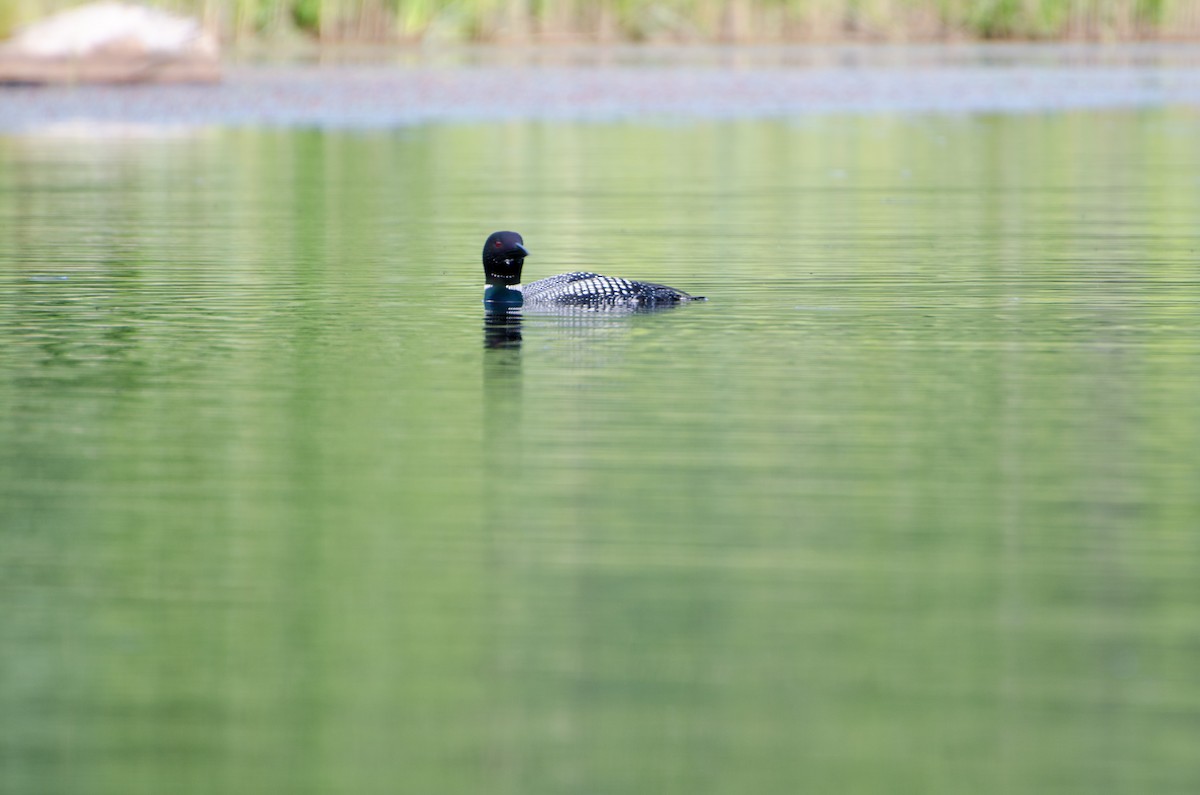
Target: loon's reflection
502,391
501,366
502,327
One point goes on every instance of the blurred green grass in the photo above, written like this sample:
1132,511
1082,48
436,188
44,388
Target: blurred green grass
743,21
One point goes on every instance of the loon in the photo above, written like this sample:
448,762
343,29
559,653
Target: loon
504,254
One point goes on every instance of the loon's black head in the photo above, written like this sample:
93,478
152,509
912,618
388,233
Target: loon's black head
503,255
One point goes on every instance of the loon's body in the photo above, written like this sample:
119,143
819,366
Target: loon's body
504,254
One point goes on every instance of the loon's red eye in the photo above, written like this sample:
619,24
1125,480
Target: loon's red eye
497,244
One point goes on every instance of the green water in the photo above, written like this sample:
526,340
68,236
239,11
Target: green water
909,506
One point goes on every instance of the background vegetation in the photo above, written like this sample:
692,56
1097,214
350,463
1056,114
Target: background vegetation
673,20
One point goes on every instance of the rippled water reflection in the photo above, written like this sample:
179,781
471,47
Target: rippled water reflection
909,505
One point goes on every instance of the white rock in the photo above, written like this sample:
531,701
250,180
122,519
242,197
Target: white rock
99,27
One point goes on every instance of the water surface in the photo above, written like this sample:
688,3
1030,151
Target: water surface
365,88
909,505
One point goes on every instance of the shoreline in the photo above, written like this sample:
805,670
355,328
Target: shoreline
802,54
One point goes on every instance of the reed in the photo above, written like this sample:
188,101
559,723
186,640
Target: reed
742,21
